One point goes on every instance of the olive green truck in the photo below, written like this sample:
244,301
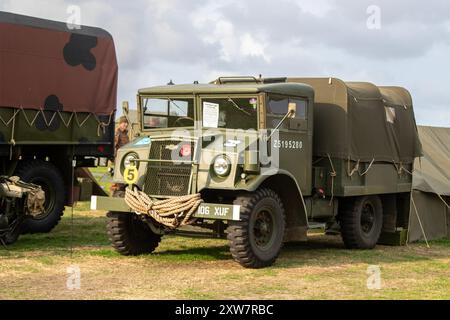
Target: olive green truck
261,161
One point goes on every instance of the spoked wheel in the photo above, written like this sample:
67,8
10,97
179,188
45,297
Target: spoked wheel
46,175
256,240
361,221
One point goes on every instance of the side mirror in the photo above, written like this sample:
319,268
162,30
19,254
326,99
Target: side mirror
292,108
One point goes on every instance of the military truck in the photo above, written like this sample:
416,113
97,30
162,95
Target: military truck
260,161
57,106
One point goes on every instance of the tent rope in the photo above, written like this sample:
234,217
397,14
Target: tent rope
420,222
442,199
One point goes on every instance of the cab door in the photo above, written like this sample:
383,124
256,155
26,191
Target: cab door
293,140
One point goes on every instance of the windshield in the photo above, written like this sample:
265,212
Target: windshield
168,112
230,113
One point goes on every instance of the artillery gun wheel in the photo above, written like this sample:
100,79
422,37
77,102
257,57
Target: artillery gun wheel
361,220
10,237
48,176
256,240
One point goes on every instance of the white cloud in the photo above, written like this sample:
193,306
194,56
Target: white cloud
253,48
185,41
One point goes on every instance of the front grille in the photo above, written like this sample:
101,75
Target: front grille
168,179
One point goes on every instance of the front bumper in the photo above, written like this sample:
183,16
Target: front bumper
210,211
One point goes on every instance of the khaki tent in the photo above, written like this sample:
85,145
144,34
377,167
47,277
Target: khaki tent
430,210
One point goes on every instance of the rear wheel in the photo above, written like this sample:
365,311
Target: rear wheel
50,179
256,240
361,221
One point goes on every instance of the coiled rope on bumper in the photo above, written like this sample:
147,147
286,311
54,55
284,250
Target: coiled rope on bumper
173,213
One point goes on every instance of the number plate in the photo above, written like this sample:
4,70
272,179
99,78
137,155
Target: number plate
218,211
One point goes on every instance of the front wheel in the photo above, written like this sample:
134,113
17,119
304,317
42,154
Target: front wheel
129,235
361,220
256,240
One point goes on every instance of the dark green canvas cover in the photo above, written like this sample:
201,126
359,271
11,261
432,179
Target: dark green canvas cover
361,121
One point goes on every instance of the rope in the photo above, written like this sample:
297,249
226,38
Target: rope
368,168
173,213
103,125
406,170
399,168
355,168
442,199
48,122
333,174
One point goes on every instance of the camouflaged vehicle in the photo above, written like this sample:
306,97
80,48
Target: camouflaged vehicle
57,105
260,161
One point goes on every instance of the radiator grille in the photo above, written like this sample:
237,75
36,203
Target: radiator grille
168,178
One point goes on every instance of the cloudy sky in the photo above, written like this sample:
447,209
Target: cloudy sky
405,43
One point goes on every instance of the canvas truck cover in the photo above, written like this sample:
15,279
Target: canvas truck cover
46,66
361,121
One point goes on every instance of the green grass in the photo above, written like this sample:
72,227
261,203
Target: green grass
103,178
198,268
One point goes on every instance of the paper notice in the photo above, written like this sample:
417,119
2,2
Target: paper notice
210,115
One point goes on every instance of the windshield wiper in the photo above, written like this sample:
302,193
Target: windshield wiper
182,112
237,107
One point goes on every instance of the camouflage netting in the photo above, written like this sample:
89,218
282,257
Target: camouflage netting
361,121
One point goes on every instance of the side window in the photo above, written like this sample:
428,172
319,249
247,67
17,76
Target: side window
301,107
278,106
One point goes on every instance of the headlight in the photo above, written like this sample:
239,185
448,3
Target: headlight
128,160
222,166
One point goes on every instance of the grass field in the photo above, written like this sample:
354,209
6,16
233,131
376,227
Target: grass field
185,268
